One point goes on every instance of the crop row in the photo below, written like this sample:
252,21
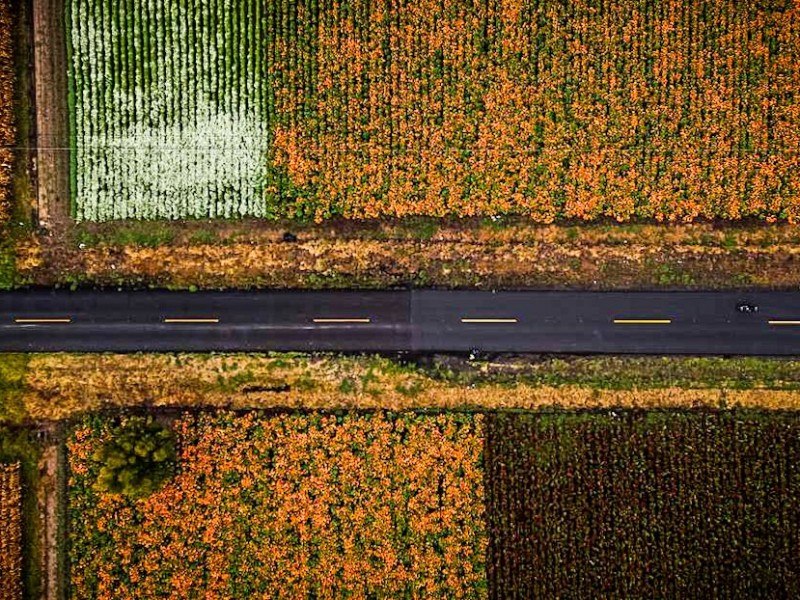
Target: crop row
7,128
10,532
661,109
643,506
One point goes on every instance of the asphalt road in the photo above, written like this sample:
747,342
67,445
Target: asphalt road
412,321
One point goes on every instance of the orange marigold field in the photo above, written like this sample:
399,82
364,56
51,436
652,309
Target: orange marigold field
290,506
10,532
7,128
664,109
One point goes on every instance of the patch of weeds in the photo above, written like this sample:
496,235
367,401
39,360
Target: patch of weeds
667,274
202,237
232,384
424,229
13,368
8,263
411,389
86,238
144,234
348,386
729,242
304,383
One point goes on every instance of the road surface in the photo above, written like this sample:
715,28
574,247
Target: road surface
416,321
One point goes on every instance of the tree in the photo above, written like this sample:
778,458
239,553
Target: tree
137,459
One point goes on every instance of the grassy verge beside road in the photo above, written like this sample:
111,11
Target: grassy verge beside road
46,387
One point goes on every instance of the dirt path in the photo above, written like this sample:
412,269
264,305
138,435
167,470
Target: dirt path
52,116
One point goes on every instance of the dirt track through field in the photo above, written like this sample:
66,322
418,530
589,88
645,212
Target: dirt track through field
52,115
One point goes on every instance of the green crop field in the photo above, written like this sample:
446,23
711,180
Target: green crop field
653,505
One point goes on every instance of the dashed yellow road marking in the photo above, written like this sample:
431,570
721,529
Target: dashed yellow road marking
342,320
784,322
642,321
29,321
191,321
469,320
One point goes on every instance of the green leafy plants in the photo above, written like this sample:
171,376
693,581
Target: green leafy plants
137,458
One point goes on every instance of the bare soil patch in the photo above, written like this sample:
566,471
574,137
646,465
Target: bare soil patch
52,114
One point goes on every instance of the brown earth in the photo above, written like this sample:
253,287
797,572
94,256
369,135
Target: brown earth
52,116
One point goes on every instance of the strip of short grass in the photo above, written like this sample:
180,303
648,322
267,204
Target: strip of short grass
626,372
13,368
22,184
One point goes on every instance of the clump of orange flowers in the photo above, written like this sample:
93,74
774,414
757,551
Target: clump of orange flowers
290,506
666,109
7,127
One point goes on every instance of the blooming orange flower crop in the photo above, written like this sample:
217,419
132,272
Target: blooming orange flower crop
660,109
291,507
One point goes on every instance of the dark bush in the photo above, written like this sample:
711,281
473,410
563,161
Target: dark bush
137,459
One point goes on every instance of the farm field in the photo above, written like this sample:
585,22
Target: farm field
643,505
401,499
313,109
290,507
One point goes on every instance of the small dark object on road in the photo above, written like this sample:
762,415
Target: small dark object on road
477,354
744,307
289,237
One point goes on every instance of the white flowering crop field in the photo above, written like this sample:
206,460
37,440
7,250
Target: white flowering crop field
169,101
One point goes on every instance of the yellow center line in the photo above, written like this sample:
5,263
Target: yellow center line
191,320
642,321
784,322
466,320
342,320
65,320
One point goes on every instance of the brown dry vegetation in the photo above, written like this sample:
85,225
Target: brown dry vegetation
10,532
63,385
450,254
7,127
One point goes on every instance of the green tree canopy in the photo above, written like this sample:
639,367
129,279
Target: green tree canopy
138,457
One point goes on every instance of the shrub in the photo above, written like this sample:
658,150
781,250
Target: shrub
137,459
